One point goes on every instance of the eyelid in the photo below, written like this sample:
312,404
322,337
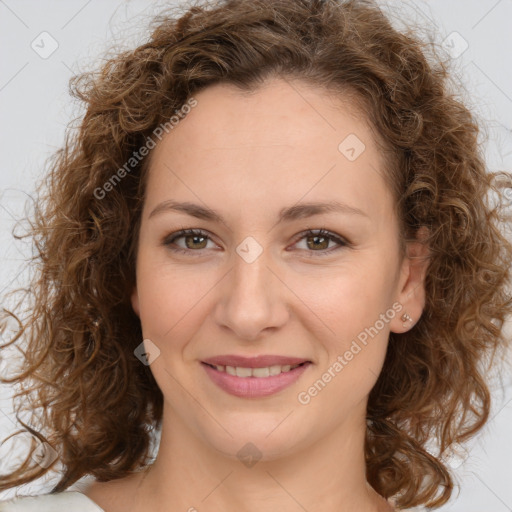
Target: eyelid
170,239
322,232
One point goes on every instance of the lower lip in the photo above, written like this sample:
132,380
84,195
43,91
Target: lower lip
254,387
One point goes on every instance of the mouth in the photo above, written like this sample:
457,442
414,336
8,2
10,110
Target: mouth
254,381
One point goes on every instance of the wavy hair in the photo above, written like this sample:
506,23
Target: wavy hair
98,403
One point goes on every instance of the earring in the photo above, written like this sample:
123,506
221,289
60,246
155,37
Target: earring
406,318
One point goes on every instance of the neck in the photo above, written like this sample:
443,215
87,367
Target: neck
328,475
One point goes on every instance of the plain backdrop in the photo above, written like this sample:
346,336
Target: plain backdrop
44,43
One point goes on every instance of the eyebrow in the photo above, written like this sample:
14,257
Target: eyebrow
287,214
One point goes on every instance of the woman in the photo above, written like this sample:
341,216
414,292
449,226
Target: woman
271,239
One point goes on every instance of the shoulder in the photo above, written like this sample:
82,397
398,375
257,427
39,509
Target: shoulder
67,501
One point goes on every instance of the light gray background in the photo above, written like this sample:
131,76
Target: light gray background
35,108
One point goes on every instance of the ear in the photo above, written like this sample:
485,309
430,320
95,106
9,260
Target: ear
411,286
135,301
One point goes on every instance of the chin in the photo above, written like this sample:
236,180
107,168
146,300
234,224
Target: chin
264,441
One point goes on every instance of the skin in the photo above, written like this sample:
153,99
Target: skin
247,156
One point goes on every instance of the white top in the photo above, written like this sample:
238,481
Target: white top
66,501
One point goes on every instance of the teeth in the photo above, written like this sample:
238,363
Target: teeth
261,372
275,370
243,372
268,371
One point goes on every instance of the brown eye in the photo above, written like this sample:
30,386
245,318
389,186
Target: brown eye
317,241
195,241
192,241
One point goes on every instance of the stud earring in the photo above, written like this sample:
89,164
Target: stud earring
406,318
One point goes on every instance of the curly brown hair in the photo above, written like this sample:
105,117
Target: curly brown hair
99,404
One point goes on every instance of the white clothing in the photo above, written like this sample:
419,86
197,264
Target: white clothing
66,501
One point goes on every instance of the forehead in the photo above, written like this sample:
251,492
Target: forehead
278,143
278,112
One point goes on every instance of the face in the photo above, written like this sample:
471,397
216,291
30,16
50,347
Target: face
252,281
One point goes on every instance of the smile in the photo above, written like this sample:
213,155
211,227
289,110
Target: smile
254,382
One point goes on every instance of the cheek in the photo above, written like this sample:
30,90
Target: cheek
169,298
351,352
348,299
354,307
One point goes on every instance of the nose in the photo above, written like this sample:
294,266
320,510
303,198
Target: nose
252,298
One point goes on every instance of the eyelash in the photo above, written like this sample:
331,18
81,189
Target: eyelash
169,241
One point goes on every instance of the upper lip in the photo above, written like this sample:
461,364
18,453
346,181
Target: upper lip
254,362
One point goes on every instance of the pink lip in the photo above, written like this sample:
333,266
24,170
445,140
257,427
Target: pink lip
255,387
253,362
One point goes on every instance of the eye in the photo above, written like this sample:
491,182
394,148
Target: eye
318,241
194,239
